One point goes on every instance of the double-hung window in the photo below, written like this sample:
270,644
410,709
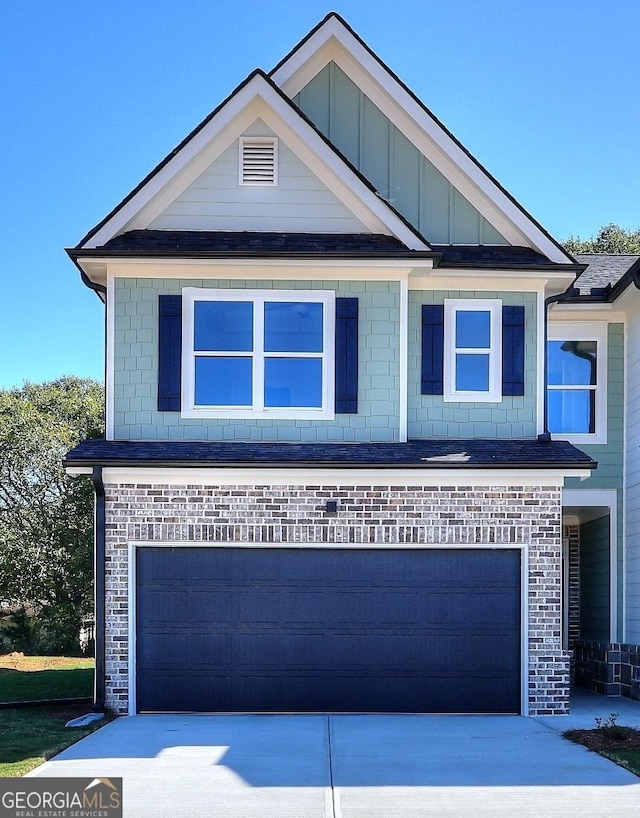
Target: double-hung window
473,350
250,353
576,381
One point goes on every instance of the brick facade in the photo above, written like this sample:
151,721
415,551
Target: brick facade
528,517
610,668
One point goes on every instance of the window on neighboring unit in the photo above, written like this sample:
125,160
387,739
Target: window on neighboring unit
576,382
473,350
258,353
258,161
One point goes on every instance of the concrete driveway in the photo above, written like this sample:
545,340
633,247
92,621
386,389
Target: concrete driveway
355,766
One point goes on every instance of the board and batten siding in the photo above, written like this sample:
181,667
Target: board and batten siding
400,173
632,567
136,368
299,203
595,580
432,416
610,455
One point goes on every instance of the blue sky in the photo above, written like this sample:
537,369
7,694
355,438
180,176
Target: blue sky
94,94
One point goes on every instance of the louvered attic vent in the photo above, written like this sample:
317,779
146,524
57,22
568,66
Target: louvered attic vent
258,161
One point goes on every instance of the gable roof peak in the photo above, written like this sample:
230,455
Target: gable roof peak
228,121
333,40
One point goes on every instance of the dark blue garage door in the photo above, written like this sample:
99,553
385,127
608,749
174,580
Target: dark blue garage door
320,629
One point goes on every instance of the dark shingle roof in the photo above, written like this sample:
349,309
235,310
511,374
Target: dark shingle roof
255,243
182,242
491,256
603,269
422,454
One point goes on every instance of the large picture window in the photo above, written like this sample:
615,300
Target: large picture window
576,382
473,350
258,353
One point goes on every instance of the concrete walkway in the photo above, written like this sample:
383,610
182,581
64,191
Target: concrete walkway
179,766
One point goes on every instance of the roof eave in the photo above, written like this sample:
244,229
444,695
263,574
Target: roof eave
631,276
493,265
319,464
98,252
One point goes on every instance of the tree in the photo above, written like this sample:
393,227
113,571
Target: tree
46,516
610,239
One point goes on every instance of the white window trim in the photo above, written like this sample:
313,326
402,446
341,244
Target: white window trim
494,307
325,297
591,331
261,140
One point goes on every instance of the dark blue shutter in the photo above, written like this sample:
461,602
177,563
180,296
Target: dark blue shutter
513,351
169,352
431,381
346,356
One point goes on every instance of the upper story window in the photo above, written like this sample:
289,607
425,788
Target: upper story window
473,350
250,353
258,161
576,382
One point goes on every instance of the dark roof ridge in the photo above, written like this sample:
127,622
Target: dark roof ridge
610,255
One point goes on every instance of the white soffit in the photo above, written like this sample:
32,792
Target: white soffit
257,98
333,41
306,476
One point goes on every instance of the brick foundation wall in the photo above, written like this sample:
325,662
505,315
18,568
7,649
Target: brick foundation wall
376,514
572,535
610,668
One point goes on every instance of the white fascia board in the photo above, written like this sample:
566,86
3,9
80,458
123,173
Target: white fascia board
481,280
257,99
282,269
333,42
94,268
78,471
587,312
214,476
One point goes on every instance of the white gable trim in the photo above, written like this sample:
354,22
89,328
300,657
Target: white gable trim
334,42
256,99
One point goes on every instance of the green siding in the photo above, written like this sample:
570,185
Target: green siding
608,475
431,416
609,456
595,577
136,368
394,165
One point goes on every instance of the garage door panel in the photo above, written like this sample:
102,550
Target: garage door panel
178,648
329,606
343,692
179,692
276,629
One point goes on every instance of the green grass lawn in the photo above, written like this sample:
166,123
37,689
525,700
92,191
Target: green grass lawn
33,678
31,735
629,759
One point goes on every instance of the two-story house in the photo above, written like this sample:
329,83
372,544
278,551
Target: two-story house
326,482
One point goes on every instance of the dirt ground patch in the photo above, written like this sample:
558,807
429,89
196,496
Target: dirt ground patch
617,743
32,664
606,738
